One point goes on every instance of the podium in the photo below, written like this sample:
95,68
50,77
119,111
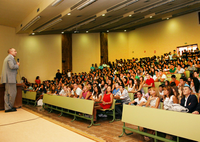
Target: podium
18,99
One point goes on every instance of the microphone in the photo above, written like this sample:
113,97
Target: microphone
17,59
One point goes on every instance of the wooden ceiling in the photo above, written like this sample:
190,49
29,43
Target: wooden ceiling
76,16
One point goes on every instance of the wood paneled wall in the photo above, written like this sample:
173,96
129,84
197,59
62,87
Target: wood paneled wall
67,51
104,47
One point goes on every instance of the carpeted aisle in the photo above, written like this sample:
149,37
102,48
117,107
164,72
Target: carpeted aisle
23,126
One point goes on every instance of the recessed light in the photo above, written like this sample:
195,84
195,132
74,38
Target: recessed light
62,32
151,17
107,31
86,31
167,18
103,14
33,33
130,15
69,14
124,30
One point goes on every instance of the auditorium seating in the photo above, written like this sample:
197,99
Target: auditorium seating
69,106
178,124
29,97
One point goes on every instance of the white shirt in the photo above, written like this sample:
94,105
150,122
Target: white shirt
186,100
69,74
95,97
168,101
124,96
139,101
63,93
181,70
78,91
129,88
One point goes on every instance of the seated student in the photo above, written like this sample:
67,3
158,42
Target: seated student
58,90
172,68
106,101
85,94
154,100
130,85
182,82
96,95
173,77
160,91
146,96
114,92
149,81
52,90
179,69
196,74
40,92
140,101
63,92
194,85
35,87
191,67
169,98
189,101
76,91
122,95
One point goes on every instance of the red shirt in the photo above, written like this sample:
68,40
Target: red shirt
149,81
37,81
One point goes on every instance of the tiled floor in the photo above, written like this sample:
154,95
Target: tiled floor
106,131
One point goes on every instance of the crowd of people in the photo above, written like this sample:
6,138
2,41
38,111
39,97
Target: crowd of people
117,79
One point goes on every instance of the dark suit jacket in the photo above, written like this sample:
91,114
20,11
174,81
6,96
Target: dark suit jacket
191,103
198,107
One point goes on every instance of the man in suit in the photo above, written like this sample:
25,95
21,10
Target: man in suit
8,77
189,101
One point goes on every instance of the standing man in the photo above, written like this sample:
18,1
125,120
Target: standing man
8,77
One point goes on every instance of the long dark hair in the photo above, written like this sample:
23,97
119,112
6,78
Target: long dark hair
98,91
196,84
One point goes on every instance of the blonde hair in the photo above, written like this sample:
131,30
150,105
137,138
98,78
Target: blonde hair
156,90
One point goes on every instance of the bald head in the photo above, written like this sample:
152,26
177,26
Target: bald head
12,51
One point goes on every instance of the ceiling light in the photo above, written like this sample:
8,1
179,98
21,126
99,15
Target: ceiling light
167,17
69,14
31,23
130,15
56,2
150,15
86,31
62,32
33,33
48,25
85,4
103,14
124,30
107,31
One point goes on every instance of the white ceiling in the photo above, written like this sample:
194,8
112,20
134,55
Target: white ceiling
18,13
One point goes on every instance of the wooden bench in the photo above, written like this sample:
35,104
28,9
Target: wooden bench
179,124
70,106
29,97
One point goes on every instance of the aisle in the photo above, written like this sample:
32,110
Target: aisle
23,126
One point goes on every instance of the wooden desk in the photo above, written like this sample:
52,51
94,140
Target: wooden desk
18,99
